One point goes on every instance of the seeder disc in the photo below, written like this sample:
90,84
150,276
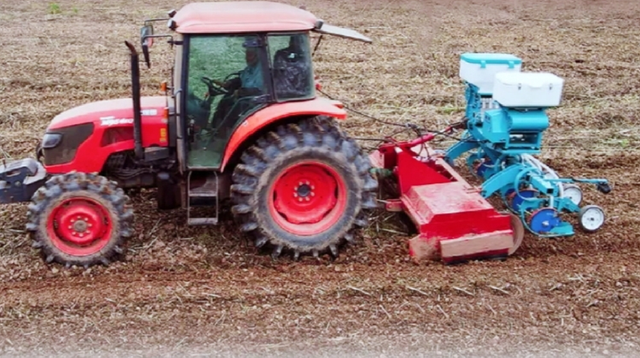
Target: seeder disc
543,220
517,198
482,167
518,232
591,218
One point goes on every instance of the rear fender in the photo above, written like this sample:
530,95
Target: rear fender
273,114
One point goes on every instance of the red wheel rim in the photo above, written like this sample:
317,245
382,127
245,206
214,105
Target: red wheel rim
79,226
308,198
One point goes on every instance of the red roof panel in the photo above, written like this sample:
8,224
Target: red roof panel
242,16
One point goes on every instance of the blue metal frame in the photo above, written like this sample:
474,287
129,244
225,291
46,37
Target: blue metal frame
496,140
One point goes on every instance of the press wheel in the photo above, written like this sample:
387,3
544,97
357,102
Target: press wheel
591,218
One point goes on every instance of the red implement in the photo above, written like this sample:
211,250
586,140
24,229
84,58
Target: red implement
455,222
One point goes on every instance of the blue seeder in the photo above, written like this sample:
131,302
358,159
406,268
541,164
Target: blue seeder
502,139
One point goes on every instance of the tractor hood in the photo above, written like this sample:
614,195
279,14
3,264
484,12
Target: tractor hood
109,112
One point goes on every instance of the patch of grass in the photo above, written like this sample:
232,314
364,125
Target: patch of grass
624,143
54,8
449,109
618,142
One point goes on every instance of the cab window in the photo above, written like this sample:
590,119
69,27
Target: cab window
291,66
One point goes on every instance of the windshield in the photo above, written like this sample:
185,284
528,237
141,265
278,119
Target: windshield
223,66
229,77
226,77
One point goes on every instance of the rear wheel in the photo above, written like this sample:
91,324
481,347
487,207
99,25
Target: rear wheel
304,187
79,219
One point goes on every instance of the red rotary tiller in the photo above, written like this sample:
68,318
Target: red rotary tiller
454,221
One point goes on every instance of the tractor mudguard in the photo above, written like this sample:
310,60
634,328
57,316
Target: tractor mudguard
259,120
20,179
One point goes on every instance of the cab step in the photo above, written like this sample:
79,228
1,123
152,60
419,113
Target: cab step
202,195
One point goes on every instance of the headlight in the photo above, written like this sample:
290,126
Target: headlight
51,140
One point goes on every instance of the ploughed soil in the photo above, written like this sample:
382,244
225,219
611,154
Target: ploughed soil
189,291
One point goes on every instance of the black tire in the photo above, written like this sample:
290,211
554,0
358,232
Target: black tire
92,192
316,139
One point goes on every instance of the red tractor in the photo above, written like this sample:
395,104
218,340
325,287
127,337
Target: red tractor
259,136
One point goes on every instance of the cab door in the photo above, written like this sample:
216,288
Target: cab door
226,79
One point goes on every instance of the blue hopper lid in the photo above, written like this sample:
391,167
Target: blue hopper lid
491,58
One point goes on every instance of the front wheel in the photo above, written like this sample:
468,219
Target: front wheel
303,187
79,219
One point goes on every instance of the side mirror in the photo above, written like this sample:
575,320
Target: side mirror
147,41
145,32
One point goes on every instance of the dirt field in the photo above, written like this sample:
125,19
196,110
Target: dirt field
207,292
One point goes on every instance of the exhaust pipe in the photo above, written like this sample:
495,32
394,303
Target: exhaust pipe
135,88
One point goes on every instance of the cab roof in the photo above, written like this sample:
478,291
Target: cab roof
241,16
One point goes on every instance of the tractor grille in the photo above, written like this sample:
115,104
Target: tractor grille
66,150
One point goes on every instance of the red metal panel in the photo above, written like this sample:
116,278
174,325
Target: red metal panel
412,172
495,243
447,211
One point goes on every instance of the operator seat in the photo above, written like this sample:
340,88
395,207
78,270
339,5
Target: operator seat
291,71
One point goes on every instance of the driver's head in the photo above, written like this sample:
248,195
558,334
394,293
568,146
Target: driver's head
296,43
251,56
251,50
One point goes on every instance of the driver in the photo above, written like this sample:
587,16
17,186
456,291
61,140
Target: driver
249,82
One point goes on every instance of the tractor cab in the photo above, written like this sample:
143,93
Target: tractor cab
232,61
229,77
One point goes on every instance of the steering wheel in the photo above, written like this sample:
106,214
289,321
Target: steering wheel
214,89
